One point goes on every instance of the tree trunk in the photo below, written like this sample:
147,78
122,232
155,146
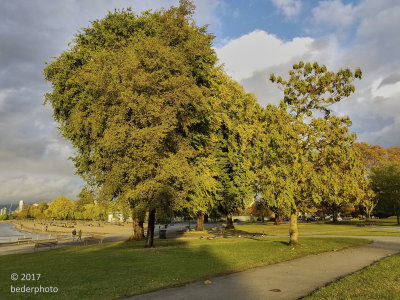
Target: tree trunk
137,230
368,211
141,221
205,218
293,229
262,218
398,220
229,222
200,221
150,229
335,216
276,221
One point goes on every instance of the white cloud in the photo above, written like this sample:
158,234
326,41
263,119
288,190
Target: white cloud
3,96
290,8
391,79
205,12
382,27
58,149
334,14
385,91
257,51
252,57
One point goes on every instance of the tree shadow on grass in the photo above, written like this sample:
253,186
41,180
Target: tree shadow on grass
119,269
282,242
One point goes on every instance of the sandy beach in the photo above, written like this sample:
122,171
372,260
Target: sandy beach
63,231
60,227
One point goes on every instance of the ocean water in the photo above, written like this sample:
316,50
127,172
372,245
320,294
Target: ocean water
8,233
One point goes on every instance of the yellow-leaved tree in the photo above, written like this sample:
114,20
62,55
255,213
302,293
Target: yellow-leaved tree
130,94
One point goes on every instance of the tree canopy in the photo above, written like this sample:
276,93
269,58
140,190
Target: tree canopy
130,94
386,184
312,148
61,208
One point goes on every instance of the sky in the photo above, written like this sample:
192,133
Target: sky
253,39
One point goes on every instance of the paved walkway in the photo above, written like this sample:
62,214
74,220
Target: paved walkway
286,280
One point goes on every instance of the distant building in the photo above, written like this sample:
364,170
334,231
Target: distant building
21,206
118,217
115,217
3,211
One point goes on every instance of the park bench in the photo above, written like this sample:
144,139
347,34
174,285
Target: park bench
93,238
24,240
45,243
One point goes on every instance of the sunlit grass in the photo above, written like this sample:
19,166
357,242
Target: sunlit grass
378,281
314,228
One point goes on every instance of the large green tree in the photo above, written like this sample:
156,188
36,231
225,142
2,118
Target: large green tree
237,120
341,172
308,93
202,196
61,208
130,94
37,211
375,156
287,177
225,181
386,185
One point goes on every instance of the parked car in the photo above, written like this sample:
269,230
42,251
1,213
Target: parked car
330,218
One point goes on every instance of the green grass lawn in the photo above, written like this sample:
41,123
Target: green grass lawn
392,221
315,228
364,232
116,269
378,281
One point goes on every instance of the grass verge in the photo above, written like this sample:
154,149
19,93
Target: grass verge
314,228
378,281
118,269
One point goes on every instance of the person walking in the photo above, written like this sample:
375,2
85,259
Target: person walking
73,234
80,235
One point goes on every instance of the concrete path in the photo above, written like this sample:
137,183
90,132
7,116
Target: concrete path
286,280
